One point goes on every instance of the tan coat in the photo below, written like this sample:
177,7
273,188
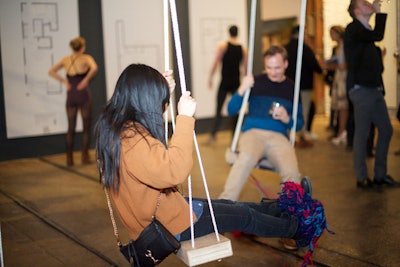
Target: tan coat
146,166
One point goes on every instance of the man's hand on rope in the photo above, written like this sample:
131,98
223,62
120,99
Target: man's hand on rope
247,83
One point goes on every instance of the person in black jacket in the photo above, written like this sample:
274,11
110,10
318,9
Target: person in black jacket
397,152
310,65
366,92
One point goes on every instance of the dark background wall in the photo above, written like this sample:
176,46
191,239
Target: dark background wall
91,28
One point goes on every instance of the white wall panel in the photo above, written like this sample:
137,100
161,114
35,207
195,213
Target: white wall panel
133,33
35,35
209,23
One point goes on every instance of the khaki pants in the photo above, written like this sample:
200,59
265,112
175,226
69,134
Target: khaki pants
255,144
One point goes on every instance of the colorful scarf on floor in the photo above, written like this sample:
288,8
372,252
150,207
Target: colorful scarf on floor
310,213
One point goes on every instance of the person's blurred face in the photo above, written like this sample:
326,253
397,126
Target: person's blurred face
275,67
334,35
364,8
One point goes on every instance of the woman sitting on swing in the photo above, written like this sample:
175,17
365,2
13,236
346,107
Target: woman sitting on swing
137,165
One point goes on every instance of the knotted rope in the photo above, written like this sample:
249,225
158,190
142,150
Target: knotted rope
311,216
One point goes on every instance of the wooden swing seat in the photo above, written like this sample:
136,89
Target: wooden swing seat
263,163
207,248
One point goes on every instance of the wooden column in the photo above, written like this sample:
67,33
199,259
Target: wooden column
314,31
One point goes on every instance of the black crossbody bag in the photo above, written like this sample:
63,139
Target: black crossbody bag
153,245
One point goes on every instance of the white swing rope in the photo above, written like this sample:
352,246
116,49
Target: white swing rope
298,70
178,49
249,71
167,67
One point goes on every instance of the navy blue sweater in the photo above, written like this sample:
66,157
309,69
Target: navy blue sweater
262,95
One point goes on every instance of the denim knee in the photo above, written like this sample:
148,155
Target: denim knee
294,223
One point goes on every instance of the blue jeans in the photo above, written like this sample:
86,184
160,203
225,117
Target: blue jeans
370,107
264,219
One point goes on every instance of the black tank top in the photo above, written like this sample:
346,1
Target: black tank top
230,71
77,97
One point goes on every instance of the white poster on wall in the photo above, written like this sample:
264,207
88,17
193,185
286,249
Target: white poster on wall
209,24
35,35
133,33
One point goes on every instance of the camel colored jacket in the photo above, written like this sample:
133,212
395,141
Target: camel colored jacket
146,166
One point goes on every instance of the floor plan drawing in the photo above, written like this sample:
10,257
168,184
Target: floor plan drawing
35,35
209,24
213,31
39,21
131,36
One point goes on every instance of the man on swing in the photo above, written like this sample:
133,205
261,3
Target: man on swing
265,129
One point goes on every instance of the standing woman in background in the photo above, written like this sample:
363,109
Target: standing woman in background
340,102
80,68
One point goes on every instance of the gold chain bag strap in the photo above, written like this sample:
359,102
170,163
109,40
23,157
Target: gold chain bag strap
153,245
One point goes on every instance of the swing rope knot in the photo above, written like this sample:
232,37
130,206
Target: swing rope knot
310,214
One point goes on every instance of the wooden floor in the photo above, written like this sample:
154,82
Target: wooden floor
52,215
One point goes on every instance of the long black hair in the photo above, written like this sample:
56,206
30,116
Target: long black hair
140,95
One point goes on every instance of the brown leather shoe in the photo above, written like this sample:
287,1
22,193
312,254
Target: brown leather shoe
365,184
303,144
289,244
